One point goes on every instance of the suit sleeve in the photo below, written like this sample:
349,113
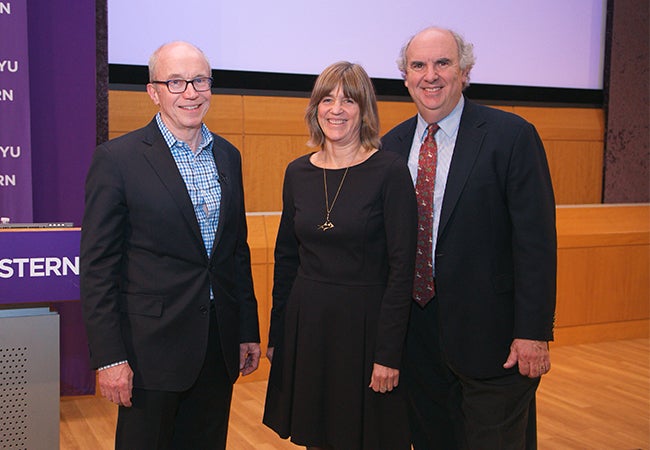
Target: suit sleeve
400,222
531,205
102,240
248,318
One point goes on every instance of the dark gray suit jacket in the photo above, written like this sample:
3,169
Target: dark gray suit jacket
496,246
145,274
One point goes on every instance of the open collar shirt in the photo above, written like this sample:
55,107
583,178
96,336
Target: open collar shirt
199,172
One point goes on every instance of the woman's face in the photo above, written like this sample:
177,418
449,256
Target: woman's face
339,117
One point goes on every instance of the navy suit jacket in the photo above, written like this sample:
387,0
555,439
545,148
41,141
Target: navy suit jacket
145,273
495,258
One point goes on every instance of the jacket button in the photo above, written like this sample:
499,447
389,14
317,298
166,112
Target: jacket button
204,310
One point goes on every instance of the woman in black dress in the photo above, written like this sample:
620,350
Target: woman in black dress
344,263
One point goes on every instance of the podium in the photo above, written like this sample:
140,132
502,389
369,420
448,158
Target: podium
37,266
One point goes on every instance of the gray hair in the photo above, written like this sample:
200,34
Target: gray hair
466,57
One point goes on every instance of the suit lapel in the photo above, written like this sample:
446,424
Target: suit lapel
162,161
405,137
468,145
225,180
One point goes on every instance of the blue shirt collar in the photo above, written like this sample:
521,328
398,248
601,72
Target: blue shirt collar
170,139
449,125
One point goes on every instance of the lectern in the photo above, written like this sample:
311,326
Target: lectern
37,266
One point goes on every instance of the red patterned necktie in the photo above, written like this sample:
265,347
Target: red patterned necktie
423,288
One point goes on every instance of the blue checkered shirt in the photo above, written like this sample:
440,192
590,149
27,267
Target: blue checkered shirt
199,171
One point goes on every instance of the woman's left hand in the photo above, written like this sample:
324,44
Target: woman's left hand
384,379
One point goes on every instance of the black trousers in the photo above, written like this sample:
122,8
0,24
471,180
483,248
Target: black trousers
449,411
195,419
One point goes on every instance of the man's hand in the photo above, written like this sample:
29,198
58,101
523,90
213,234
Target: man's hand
383,379
116,384
532,356
249,357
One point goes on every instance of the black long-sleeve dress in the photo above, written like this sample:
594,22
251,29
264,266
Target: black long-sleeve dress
341,300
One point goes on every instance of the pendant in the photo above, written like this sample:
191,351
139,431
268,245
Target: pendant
327,225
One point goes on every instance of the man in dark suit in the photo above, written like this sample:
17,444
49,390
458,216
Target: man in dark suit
166,281
478,337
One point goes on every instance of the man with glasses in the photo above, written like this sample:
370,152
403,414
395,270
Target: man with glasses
484,299
166,281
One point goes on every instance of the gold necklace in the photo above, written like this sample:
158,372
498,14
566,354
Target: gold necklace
328,225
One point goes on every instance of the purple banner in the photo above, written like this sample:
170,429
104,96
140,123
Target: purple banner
15,135
39,266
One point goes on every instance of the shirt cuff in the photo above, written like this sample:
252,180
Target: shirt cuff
112,365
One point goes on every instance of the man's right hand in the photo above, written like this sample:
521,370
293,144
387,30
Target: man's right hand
116,384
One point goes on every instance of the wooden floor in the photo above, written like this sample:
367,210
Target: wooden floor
596,397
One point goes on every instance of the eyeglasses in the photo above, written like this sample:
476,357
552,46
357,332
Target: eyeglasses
179,86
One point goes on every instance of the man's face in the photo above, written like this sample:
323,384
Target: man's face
433,75
182,113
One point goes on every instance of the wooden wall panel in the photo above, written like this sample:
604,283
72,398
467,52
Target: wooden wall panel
576,170
226,114
265,158
128,110
601,332
603,284
577,124
275,115
393,113
603,273
591,225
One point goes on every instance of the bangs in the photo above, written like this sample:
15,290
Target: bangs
356,85
347,76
